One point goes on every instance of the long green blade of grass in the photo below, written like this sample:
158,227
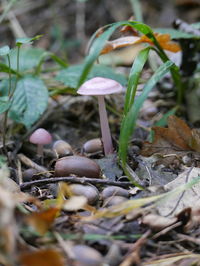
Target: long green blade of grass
100,41
134,76
129,121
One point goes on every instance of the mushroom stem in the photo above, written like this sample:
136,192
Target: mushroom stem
40,150
105,129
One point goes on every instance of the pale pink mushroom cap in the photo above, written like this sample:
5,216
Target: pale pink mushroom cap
100,86
41,137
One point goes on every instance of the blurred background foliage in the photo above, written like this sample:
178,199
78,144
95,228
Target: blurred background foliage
68,24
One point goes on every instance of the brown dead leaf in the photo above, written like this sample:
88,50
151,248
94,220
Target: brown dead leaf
119,43
177,137
45,257
164,40
41,221
158,222
176,259
75,203
194,141
129,29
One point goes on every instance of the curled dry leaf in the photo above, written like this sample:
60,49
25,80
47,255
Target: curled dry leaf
157,222
42,221
177,137
75,203
176,259
119,43
164,40
42,257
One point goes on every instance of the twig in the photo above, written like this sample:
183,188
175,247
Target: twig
81,180
28,162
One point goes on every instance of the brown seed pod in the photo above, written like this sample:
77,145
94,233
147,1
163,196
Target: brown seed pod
93,145
114,201
62,148
114,191
90,192
77,165
85,256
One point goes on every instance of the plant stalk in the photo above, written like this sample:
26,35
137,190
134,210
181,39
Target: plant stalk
105,129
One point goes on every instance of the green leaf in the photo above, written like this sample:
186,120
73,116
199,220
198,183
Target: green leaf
4,104
4,68
29,101
5,50
46,55
25,40
29,58
196,25
4,85
176,34
129,121
134,76
71,75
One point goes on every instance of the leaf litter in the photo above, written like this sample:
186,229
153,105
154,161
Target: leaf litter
54,226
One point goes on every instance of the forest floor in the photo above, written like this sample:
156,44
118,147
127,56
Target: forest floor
72,204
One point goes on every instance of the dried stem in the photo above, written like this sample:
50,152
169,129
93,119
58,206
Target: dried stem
81,180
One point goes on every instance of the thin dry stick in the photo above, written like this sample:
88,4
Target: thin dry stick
81,180
28,162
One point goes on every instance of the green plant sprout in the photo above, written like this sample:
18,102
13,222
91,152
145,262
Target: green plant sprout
132,107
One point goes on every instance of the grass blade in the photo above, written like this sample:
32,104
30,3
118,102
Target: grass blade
134,76
129,121
99,43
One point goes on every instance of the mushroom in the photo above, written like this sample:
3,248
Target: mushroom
40,137
100,87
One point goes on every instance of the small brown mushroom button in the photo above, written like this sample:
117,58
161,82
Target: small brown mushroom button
62,148
77,165
93,145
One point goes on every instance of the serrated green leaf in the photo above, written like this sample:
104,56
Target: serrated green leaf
29,101
5,50
129,121
176,34
4,104
26,40
29,58
71,75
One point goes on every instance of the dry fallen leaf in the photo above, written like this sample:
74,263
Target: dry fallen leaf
119,43
177,137
164,40
45,257
187,199
42,221
157,222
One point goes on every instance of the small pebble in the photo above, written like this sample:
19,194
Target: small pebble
77,165
114,191
87,256
28,174
90,192
115,200
92,146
